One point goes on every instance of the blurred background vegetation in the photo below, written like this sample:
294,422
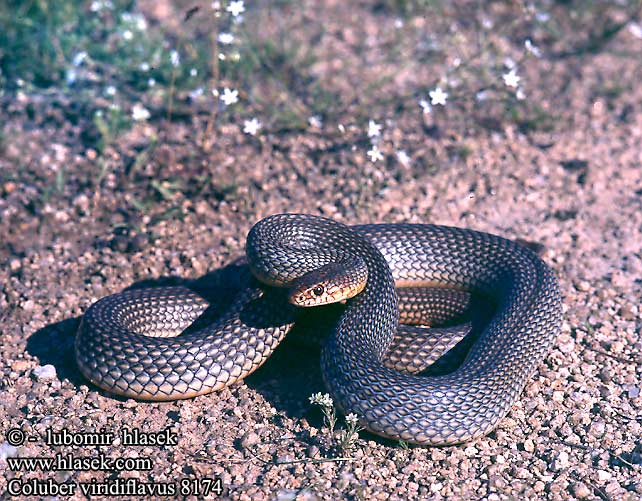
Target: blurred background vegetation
296,66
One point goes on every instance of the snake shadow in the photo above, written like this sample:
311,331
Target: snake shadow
54,343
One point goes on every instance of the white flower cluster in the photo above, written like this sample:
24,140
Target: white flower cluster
374,133
322,399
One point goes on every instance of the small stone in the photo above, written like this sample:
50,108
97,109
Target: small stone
606,374
597,428
9,187
612,489
248,439
565,343
7,451
580,490
617,347
471,451
285,458
306,495
603,475
628,312
28,305
81,202
286,495
21,365
561,461
529,445
583,286
44,372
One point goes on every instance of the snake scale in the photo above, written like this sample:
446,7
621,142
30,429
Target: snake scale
133,343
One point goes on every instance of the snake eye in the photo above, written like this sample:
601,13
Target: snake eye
318,290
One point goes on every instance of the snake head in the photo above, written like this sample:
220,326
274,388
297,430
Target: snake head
329,283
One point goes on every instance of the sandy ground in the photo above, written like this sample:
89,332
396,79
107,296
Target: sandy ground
575,432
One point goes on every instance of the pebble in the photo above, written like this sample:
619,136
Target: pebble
248,439
597,428
561,461
44,372
286,495
7,451
580,490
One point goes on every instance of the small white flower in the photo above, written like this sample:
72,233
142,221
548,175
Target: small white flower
196,93
225,38
141,23
352,418
251,127
221,56
151,82
144,67
374,129
326,400
98,5
128,35
110,90
322,399
175,58
230,96
315,121
193,72
140,113
438,96
375,153
511,79
426,107
403,158
636,30
70,76
79,58
520,94
542,16
532,48
482,95
236,8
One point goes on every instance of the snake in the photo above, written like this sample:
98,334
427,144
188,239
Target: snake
145,343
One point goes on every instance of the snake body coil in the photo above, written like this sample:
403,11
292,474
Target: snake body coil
114,351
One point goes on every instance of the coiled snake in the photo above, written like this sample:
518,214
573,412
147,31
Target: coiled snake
125,342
